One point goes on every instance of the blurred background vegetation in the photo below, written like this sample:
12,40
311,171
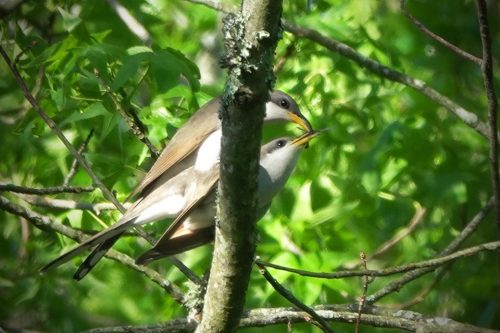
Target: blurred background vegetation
390,153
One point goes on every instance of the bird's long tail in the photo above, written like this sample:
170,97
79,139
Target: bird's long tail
104,240
94,257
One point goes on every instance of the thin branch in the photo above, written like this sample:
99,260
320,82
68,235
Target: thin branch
40,201
362,299
74,165
46,190
430,264
438,38
25,106
389,244
469,118
264,317
321,323
45,223
414,222
410,276
420,297
487,70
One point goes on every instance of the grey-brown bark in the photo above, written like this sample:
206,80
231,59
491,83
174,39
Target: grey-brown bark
250,41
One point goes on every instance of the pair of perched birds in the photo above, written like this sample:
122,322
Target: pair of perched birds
181,184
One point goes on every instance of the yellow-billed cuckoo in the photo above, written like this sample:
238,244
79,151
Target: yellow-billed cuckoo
182,150
194,226
170,181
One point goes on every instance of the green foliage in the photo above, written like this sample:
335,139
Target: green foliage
387,152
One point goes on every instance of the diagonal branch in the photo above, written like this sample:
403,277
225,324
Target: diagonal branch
320,322
438,38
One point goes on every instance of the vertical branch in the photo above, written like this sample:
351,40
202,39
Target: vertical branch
250,41
487,69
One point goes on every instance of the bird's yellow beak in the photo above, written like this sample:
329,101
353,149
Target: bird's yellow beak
304,139
301,121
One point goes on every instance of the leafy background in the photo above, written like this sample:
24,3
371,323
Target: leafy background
388,153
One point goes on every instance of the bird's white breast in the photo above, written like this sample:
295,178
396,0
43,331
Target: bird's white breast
209,152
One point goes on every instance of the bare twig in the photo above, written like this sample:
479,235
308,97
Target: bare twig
44,223
386,246
362,299
430,264
321,323
487,69
414,222
425,291
185,270
438,38
74,164
46,190
41,201
410,276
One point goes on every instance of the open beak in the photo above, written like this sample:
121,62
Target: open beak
304,139
301,121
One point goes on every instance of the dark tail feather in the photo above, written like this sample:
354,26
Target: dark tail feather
95,256
177,245
111,232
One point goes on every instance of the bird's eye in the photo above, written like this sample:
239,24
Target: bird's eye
281,143
284,103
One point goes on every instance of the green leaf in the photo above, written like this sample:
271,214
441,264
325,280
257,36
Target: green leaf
70,21
128,70
93,110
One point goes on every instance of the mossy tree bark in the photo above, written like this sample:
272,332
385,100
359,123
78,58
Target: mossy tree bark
250,40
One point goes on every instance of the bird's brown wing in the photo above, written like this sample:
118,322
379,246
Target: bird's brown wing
206,187
205,121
